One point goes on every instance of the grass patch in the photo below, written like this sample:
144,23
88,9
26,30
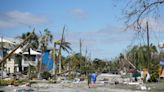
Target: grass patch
5,82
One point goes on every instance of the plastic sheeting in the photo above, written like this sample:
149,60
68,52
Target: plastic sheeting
47,60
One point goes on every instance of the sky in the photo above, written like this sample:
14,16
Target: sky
97,23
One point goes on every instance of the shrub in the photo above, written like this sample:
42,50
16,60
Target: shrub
154,71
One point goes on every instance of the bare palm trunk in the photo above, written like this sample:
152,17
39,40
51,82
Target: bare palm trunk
40,64
59,56
39,68
29,71
60,61
54,58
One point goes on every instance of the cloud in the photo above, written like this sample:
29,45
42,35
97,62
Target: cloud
16,18
106,35
79,13
106,41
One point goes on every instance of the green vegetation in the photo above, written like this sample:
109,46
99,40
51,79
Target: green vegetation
137,57
5,82
13,82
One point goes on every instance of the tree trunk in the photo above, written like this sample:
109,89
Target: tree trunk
60,61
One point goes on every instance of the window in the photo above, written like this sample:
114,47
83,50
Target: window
29,58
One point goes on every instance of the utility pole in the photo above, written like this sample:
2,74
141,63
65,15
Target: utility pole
86,52
80,47
80,53
148,45
86,62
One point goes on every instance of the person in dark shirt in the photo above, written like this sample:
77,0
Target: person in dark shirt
89,80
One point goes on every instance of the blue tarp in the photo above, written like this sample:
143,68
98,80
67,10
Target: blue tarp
47,60
162,63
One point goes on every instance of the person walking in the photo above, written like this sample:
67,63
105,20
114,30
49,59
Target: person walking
89,80
93,79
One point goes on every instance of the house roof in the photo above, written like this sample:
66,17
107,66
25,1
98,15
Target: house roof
19,50
32,52
6,41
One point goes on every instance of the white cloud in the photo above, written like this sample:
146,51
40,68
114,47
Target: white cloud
105,35
104,41
79,13
16,18
6,24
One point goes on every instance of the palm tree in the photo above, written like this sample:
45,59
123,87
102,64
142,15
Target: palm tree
73,62
141,59
45,39
33,43
139,55
65,46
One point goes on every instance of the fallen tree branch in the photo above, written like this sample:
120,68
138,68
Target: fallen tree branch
22,43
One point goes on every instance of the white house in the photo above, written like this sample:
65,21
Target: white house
11,66
21,60
30,59
12,63
7,45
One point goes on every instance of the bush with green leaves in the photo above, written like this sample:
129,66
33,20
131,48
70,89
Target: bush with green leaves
154,70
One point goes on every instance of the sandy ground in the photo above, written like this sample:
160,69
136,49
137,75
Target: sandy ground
77,87
65,87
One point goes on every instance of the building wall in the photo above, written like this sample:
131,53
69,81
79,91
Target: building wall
10,65
28,59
